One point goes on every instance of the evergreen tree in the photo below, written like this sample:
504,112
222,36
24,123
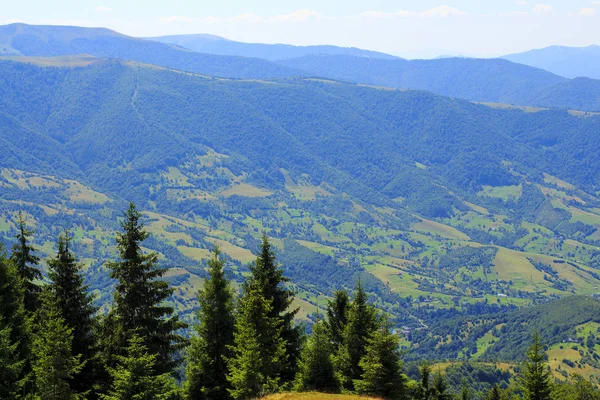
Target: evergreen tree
494,393
584,390
362,322
535,382
259,352
382,366
337,316
53,364
207,356
135,376
424,391
27,264
269,278
139,298
315,371
14,333
11,365
75,305
440,387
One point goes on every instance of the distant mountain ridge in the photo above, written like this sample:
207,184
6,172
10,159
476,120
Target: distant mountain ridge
570,62
50,41
212,44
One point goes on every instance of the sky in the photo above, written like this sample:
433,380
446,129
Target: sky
412,29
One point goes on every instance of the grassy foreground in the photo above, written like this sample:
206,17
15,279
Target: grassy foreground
315,396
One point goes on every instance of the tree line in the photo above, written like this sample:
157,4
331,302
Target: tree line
55,344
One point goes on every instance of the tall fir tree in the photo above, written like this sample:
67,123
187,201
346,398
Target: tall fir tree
139,298
135,376
441,389
362,322
14,333
23,255
494,393
337,316
316,371
54,366
424,391
382,366
269,278
535,382
207,368
259,352
75,305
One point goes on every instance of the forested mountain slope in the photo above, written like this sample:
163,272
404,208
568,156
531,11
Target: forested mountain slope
212,44
49,41
486,80
570,62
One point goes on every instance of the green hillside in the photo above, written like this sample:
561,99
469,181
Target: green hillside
443,200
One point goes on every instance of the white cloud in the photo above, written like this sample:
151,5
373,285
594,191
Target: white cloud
514,14
521,3
542,8
294,16
585,12
103,9
441,11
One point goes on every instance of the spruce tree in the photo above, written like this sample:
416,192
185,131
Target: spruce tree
75,305
14,333
27,264
382,366
53,364
259,352
424,391
440,387
207,355
337,316
11,365
316,371
494,393
362,322
135,377
139,298
535,381
269,278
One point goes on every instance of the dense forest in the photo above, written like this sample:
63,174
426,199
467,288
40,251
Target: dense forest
244,343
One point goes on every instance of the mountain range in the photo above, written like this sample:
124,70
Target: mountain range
570,62
212,44
415,177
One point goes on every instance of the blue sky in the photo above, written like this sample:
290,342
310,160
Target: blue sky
422,28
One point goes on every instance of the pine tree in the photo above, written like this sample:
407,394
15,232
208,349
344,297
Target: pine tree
207,356
315,371
139,298
337,316
75,305
424,391
494,393
535,382
269,278
11,365
14,333
27,264
382,366
53,364
259,352
135,376
362,322
440,387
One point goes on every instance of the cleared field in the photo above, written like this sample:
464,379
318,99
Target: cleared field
315,396
435,228
246,190
502,192
233,251
320,248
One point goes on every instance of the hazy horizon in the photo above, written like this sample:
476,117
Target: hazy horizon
408,29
